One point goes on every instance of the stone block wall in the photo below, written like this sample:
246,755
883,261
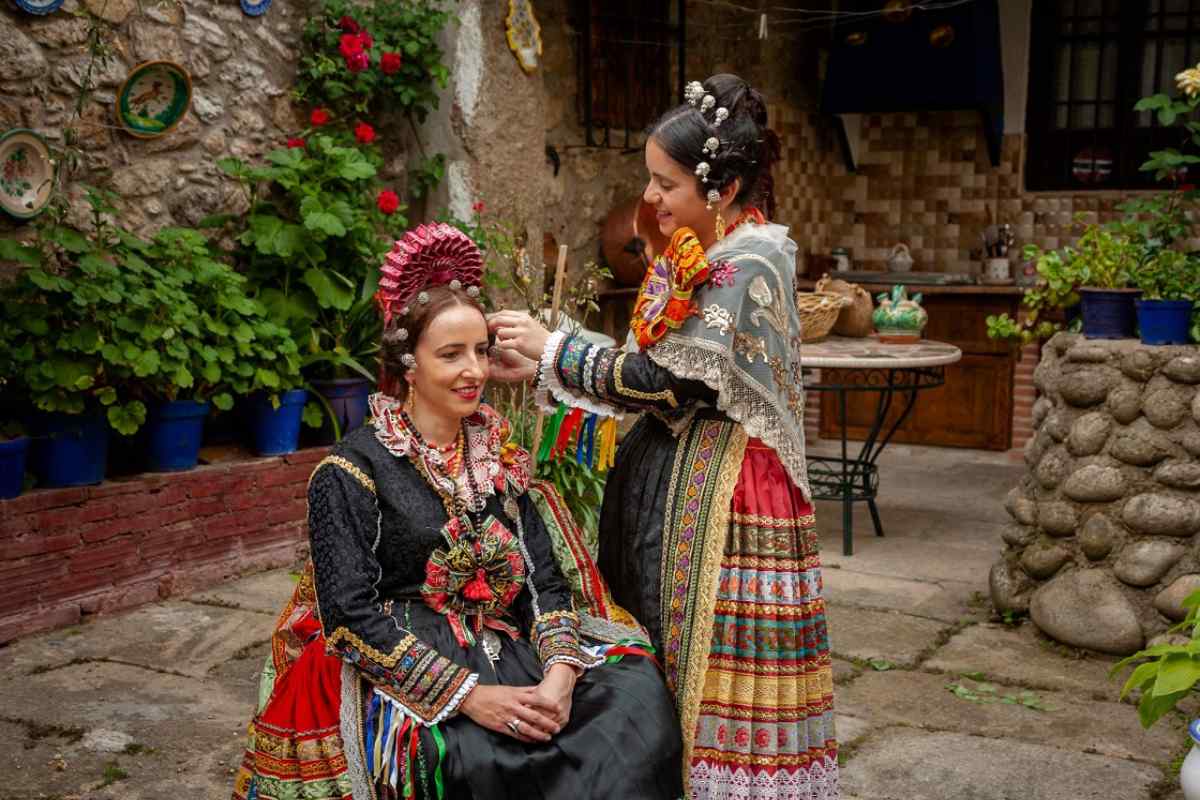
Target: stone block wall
1102,548
68,553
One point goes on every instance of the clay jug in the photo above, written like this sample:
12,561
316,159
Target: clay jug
855,319
630,239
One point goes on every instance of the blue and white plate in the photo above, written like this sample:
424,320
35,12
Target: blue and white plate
255,8
39,7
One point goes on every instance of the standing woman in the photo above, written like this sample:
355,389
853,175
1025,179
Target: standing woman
707,532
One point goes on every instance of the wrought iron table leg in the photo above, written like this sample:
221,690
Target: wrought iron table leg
847,483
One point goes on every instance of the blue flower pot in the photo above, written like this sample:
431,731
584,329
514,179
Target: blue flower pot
12,466
68,449
1108,313
348,399
174,430
1165,321
277,430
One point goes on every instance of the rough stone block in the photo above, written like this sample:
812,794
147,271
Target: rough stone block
1140,365
1054,467
1043,559
1162,514
1057,518
1164,408
1009,588
1125,403
1017,535
1143,563
1058,425
1088,434
1170,600
20,57
1183,369
1086,352
1098,537
1085,388
1021,508
1179,475
1140,448
1041,408
1095,484
1087,608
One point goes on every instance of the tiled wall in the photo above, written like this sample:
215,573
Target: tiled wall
924,179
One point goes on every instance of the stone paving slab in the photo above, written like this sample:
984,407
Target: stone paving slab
863,634
174,636
849,587
1021,656
266,592
194,730
851,730
1081,725
963,557
906,764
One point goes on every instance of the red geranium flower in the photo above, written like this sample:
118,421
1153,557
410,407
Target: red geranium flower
295,142
389,63
357,62
388,201
349,45
319,117
348,24
364,133
365,40
477,208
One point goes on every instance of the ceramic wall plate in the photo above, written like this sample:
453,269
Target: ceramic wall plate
26,173
154,99
39,7
255,8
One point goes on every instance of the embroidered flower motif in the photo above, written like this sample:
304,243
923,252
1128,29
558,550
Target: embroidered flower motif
719,318
664,302
721,273
760,292
474,580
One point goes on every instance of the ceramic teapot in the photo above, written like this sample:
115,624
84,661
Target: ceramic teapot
899,318
900,259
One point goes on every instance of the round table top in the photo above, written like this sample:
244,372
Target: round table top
841,352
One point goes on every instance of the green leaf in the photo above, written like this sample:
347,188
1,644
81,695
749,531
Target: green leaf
324,222
1176,673
12,250
183,378
128,418
312,414
1139,676
107,396
329,288
223,401
1152,707
266,377
146,364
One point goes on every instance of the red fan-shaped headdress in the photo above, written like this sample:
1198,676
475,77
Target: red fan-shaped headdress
430,255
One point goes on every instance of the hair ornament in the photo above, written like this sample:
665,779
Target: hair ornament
721,116
472,291
713,198
402,334
702,170
710,145
455,284
409,360
428,255
693,92
707,103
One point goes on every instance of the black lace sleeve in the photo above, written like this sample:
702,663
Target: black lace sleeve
343,521
617,378
546,606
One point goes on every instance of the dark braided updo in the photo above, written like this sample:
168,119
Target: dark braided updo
748,149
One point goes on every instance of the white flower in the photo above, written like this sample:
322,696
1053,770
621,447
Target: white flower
1188,81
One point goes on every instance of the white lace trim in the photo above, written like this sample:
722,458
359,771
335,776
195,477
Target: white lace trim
760,415
352,742
718,782
548,385
593,660
608,631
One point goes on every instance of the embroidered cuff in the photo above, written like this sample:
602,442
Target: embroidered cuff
555,634
428,685
550,387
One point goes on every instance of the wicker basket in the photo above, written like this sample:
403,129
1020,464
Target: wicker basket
818,312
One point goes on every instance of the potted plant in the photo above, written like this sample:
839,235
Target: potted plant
14,445
312,245
1170,284
1044,304
1166,673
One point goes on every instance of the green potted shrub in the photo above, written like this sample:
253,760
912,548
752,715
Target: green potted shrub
1047,305
312,244
1170,284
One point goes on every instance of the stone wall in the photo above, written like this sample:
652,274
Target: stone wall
1102,548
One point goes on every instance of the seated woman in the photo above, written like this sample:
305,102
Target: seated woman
433,649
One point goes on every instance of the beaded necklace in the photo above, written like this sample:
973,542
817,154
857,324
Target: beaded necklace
434,469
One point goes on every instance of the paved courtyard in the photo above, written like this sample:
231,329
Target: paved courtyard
935,699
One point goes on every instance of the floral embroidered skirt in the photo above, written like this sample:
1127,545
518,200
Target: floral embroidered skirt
707,541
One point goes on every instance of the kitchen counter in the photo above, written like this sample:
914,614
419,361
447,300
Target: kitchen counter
925,288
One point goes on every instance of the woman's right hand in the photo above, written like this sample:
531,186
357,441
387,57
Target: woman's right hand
494,707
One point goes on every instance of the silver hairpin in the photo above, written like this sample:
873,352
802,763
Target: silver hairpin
702,170
722,115
708,102
693,92
423,298
402,334
409,360
472,291
456,284
713,198
711,144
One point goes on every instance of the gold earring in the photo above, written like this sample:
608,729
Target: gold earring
720,226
